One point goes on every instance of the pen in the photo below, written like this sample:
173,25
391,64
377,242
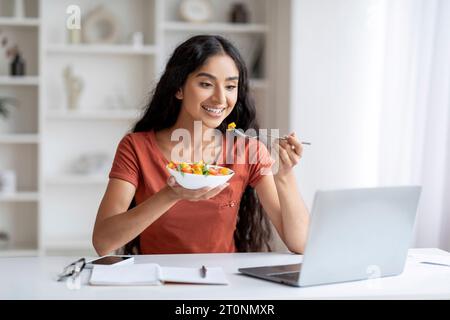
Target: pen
203,272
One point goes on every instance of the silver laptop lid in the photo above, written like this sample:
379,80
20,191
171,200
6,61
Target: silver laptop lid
358,234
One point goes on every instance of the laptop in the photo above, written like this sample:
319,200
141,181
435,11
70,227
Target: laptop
354,234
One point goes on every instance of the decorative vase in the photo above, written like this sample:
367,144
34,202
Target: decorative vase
18,65
239,13
138,39
74,86
4,240
74,36
7,181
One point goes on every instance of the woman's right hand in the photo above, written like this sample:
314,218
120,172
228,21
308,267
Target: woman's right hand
180,193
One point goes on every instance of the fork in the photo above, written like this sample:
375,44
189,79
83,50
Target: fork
239,133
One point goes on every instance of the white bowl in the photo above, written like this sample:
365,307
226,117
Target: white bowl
197,181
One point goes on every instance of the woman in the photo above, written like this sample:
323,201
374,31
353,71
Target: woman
205,81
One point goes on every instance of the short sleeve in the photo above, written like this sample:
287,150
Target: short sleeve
125,165
260,162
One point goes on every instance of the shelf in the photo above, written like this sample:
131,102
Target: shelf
93,115
19,80
101,49
20,197
19,22
19,138
19,252
216,27
74,179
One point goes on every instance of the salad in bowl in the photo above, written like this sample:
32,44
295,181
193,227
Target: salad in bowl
198,175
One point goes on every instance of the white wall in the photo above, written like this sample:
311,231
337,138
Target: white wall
370,90
337,54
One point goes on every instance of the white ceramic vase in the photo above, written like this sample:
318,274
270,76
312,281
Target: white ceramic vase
8,182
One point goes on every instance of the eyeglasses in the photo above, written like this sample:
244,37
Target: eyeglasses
74,269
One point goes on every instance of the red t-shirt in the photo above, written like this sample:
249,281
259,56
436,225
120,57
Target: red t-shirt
205,226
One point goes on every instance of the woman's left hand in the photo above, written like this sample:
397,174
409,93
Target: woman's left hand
288,156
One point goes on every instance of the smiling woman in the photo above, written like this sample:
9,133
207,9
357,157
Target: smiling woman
205,82
212,92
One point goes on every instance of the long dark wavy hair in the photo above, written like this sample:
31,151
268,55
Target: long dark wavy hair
253,231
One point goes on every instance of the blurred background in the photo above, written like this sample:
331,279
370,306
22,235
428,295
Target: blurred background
366,81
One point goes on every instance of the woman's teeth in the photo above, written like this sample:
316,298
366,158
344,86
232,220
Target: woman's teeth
214,110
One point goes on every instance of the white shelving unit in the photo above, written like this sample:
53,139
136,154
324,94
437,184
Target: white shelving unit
125,115
215,27
101,49
19,81
20,134
19,138
19,22
126,74
54,206
20,197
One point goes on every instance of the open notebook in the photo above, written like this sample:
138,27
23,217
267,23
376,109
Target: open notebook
152,274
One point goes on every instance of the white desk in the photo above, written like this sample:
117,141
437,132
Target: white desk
33,278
